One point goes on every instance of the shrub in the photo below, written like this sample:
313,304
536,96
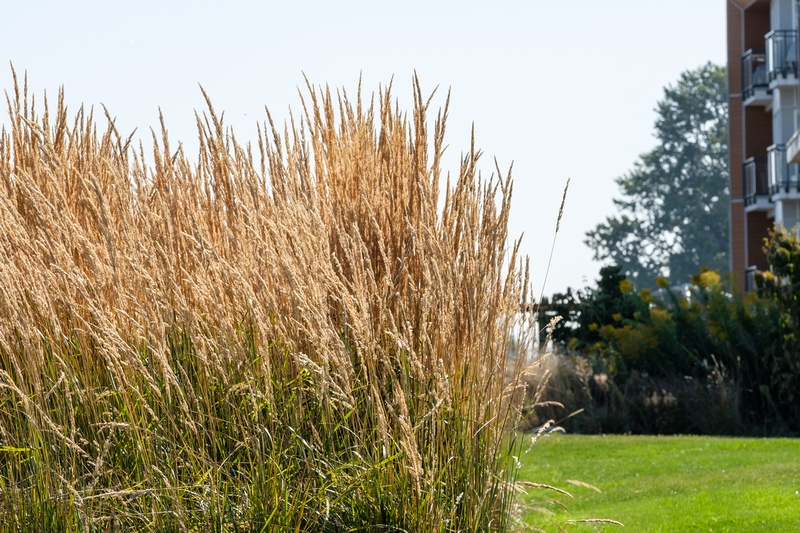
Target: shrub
712,362
583,398
779,364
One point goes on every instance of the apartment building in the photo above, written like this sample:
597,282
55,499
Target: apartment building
763,134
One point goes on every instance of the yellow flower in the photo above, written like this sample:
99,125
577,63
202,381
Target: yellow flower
662,282
617,317
660,316
707,278
625,286
646,295
573,342
593,326
607,331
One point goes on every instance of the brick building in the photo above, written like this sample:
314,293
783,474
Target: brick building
763,134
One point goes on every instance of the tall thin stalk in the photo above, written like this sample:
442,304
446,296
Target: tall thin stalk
291,335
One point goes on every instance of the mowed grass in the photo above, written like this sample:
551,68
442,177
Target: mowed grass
676,483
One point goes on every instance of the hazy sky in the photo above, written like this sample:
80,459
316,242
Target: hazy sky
560,88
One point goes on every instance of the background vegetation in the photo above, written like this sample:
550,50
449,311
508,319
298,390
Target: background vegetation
700,360
673,212
661,345
286,336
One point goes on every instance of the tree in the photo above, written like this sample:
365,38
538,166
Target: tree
673,214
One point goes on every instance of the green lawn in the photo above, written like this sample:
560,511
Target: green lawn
666,483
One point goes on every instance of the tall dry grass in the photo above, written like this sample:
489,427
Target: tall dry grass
295,335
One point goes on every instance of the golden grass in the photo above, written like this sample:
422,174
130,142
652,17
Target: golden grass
293,335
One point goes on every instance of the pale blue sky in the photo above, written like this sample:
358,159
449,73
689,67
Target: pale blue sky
561,88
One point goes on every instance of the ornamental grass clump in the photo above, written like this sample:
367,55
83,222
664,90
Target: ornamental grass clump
294,335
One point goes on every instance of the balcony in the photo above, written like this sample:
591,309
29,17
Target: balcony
782,57
783,176
793,148
755,82
756,183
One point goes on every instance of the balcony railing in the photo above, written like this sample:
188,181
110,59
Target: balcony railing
756,179
781,53
754,72
783,176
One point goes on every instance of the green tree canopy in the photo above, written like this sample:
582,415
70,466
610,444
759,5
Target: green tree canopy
673,214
